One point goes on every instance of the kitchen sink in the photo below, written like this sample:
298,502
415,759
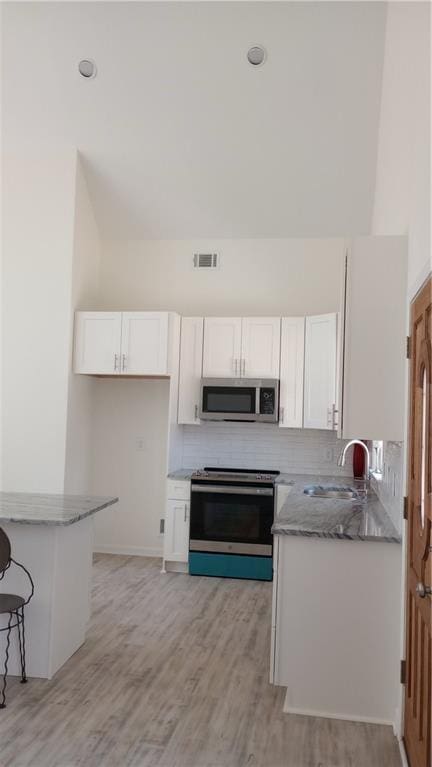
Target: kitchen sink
318,491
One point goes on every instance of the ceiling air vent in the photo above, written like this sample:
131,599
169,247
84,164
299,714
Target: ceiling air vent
206,261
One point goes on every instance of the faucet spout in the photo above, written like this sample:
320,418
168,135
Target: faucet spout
342,457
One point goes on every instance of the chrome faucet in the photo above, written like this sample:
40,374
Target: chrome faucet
342,458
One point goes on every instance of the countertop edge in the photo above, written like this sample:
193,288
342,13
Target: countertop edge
283,532
58,522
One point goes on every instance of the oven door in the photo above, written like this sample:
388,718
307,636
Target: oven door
231,519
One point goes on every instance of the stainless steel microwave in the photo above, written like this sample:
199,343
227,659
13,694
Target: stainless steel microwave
239,399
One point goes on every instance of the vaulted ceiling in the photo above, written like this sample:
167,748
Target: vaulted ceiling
180,136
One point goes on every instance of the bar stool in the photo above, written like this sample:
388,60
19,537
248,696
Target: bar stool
12,605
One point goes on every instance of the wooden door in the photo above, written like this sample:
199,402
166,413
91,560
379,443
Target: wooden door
292,372
191,351
144,346
260,356
320,372
418,691
97,343
222,347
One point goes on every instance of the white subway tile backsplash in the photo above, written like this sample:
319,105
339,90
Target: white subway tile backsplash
390,487
263,446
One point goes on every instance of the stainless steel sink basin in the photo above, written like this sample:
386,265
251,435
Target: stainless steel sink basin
318,491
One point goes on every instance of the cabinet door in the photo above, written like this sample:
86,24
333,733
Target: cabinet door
222,347
260,356
97,343
144,345
176,541
191,351
320,372
375,330
292,372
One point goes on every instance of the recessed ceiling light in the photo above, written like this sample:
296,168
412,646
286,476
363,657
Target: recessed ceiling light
87,68
256,55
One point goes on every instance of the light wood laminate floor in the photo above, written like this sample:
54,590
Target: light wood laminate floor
174,673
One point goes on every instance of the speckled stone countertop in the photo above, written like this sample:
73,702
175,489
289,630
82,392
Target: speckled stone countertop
333,518
49,509
181,474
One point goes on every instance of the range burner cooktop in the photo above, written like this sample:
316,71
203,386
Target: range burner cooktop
219,474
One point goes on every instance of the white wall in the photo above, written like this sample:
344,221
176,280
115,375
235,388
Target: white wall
38,220
280,276
402,194
84,295
130,426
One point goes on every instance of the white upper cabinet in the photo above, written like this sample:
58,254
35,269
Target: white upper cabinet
292,372
320,372
97,343
260,357
122,343
247,347
375,331
222,347
144,345
191,352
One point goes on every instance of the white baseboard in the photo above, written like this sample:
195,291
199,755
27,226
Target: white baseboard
403,756
287,709
129,551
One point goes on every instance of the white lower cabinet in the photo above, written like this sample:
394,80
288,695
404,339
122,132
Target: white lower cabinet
176,531
334,600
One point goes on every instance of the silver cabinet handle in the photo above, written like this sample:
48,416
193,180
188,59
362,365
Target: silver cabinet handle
236,366
196,412
423,591
335,422
185,512
281,414
243,367
115,363
330,417
124,366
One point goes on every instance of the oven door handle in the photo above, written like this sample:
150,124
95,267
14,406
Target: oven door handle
223,489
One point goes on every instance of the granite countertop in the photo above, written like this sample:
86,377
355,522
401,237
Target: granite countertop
181,474
49,509
360,520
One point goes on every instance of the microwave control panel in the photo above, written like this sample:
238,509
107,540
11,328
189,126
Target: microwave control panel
267,401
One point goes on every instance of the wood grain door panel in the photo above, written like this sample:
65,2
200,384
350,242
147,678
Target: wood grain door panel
418,692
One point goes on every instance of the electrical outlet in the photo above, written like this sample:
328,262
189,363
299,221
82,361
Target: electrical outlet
140,444
328,455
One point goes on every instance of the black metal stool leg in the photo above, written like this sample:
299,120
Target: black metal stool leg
23,652
6,663
20,627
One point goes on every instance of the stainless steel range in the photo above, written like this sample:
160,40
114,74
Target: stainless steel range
231,517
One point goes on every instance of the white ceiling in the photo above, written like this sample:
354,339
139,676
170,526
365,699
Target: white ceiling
181,136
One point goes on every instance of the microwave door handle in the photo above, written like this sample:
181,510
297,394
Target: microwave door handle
257,400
